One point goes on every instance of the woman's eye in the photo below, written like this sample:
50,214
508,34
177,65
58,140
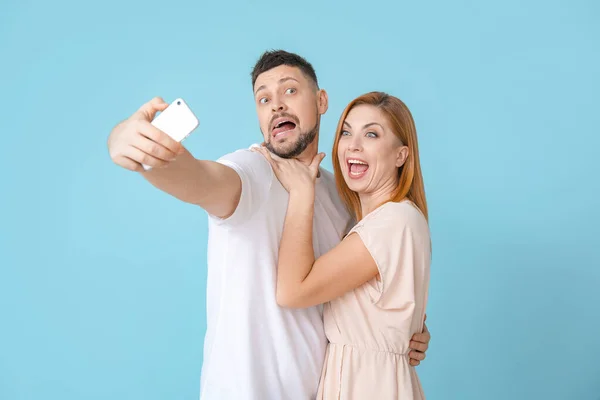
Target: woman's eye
345,133
371,134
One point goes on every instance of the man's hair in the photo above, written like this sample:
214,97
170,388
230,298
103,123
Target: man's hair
274,58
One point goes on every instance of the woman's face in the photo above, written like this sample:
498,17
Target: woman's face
369,152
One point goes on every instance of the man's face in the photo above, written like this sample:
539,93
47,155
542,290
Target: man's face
289,107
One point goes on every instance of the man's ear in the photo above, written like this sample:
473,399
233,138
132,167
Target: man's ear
322,101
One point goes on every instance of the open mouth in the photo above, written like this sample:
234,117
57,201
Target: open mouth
357,168
281,126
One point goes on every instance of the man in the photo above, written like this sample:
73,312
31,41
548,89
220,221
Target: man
253,349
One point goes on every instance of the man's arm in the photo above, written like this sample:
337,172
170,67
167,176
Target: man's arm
211,185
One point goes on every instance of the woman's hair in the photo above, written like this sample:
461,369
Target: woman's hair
410,180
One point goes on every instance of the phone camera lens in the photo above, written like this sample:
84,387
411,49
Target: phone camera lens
179,103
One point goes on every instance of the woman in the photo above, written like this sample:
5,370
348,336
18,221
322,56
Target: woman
375,282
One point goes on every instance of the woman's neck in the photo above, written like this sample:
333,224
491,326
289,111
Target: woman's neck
370,201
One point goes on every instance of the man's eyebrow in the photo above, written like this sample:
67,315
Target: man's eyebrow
260,88
287,78
282,80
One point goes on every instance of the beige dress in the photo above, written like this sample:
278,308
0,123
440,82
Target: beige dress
369,328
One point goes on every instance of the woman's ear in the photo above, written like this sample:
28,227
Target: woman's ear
401,156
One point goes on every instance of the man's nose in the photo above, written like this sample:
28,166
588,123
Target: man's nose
278,105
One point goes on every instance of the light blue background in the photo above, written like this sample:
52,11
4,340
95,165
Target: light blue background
102,278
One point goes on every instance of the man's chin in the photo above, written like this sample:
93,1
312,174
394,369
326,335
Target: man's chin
293,145
284,150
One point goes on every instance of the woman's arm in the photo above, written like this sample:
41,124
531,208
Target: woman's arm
296,252
303,281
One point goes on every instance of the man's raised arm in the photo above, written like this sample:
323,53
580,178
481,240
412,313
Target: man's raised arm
135,141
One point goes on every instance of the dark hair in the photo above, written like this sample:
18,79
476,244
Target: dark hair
274,58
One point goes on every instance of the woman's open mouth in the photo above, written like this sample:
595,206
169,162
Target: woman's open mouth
357,168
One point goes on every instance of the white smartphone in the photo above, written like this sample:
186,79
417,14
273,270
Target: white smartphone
177,121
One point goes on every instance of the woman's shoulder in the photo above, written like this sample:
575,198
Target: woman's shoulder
402,212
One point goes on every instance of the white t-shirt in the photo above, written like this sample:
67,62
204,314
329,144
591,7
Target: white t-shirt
254,349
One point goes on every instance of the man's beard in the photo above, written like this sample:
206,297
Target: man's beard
304,139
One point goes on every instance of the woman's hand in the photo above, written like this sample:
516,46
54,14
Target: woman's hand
293,174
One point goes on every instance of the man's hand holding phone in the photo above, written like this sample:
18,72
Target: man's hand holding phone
151,138
138,144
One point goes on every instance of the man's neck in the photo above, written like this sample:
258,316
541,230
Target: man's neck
310,152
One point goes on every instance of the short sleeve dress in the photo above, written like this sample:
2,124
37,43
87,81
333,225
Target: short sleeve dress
370,327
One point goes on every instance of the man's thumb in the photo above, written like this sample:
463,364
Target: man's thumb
149,110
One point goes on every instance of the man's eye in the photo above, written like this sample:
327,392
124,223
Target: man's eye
263,100
290,91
